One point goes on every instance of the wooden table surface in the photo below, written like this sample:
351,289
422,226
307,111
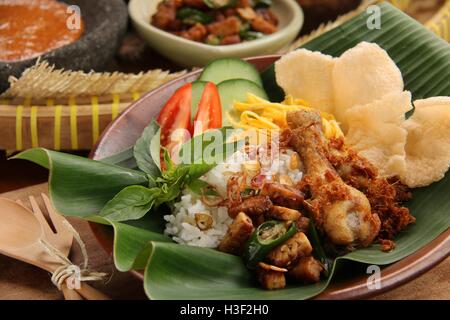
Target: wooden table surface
21,281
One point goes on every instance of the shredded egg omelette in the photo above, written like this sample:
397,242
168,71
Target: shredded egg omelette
258,113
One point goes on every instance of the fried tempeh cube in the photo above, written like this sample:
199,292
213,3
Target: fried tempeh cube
283,213
237,234
271,279
290,251
307,270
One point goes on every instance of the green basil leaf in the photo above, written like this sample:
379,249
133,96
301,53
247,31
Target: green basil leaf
142,150
210,147
168,160
131,203
155,149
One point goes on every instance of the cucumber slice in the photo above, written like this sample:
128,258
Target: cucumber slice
197,91
236,90
221,70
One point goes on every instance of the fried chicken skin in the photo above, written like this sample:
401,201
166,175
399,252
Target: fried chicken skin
307,270
290,251
238,233
342,212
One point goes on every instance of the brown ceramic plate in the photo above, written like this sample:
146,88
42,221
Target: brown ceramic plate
127,128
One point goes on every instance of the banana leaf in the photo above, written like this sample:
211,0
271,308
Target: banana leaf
80,186
133,238
175,271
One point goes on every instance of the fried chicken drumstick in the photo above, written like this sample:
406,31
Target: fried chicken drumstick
340,211
385,195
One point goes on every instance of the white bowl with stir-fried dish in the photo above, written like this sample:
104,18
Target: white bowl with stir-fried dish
194,32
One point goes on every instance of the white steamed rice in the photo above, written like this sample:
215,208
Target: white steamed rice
182,228
181,225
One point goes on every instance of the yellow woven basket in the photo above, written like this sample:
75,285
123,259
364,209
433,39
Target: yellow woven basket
80,107
69,126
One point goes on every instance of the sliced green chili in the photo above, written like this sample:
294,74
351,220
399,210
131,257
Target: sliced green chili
266,237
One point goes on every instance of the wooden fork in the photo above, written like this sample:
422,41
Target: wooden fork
61,240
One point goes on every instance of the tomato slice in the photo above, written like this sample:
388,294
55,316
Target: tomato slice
209,114
176,114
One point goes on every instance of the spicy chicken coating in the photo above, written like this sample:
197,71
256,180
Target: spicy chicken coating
238,233
385,194
341,211
290,251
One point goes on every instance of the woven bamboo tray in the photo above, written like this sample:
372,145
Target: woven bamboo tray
64,110
75,124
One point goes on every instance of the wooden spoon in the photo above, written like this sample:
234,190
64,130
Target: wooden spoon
20,235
